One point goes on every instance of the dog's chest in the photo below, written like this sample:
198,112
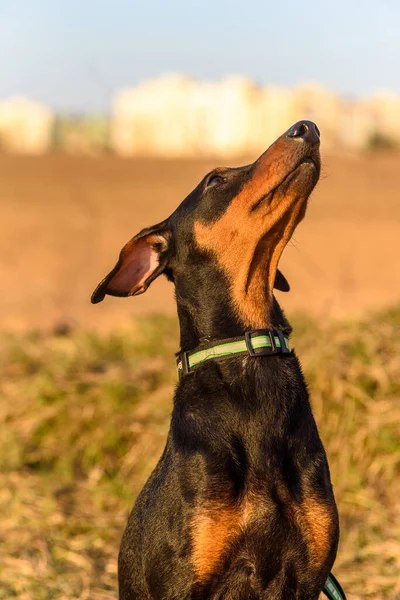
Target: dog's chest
225,532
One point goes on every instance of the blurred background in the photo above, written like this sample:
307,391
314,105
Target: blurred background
110,114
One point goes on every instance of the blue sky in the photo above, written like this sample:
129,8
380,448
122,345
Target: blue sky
73,54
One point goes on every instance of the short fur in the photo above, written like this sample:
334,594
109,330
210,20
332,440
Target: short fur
240,505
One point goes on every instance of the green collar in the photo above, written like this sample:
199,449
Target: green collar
261,342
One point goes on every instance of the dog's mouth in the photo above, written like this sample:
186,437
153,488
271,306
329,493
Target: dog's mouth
308,169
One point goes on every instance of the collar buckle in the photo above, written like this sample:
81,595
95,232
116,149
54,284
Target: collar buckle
283,342
265,350
272,348
182,364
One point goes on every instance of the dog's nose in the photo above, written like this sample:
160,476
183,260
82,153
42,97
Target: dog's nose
305,130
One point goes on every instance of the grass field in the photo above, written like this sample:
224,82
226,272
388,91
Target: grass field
84,417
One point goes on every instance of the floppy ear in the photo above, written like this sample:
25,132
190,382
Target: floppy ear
281,283
141,260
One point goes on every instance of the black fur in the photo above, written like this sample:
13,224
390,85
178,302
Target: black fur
241,431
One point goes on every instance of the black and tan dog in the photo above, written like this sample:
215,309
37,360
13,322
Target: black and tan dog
240,506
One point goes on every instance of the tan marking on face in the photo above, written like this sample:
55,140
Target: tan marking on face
248,244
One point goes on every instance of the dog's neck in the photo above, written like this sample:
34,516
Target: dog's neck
272,388
215,320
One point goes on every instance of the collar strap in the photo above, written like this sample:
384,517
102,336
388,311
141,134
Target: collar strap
261,342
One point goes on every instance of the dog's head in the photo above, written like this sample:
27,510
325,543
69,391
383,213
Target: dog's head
222,245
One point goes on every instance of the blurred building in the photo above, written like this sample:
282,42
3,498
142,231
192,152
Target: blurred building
26,127
384,108
174,117
355,124
153,118
273,114
221,117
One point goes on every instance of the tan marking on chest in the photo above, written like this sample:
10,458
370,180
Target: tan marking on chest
321,524
214,529
317,522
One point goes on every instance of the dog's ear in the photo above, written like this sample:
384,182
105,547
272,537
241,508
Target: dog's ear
281,283
141,260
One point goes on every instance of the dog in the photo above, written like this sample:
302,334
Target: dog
240,505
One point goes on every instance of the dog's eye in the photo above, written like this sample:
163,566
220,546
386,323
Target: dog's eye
215,180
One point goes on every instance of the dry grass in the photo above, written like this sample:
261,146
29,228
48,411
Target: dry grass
84,418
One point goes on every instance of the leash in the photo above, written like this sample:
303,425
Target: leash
260,342
333,590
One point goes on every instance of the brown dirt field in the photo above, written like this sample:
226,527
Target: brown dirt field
64,219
